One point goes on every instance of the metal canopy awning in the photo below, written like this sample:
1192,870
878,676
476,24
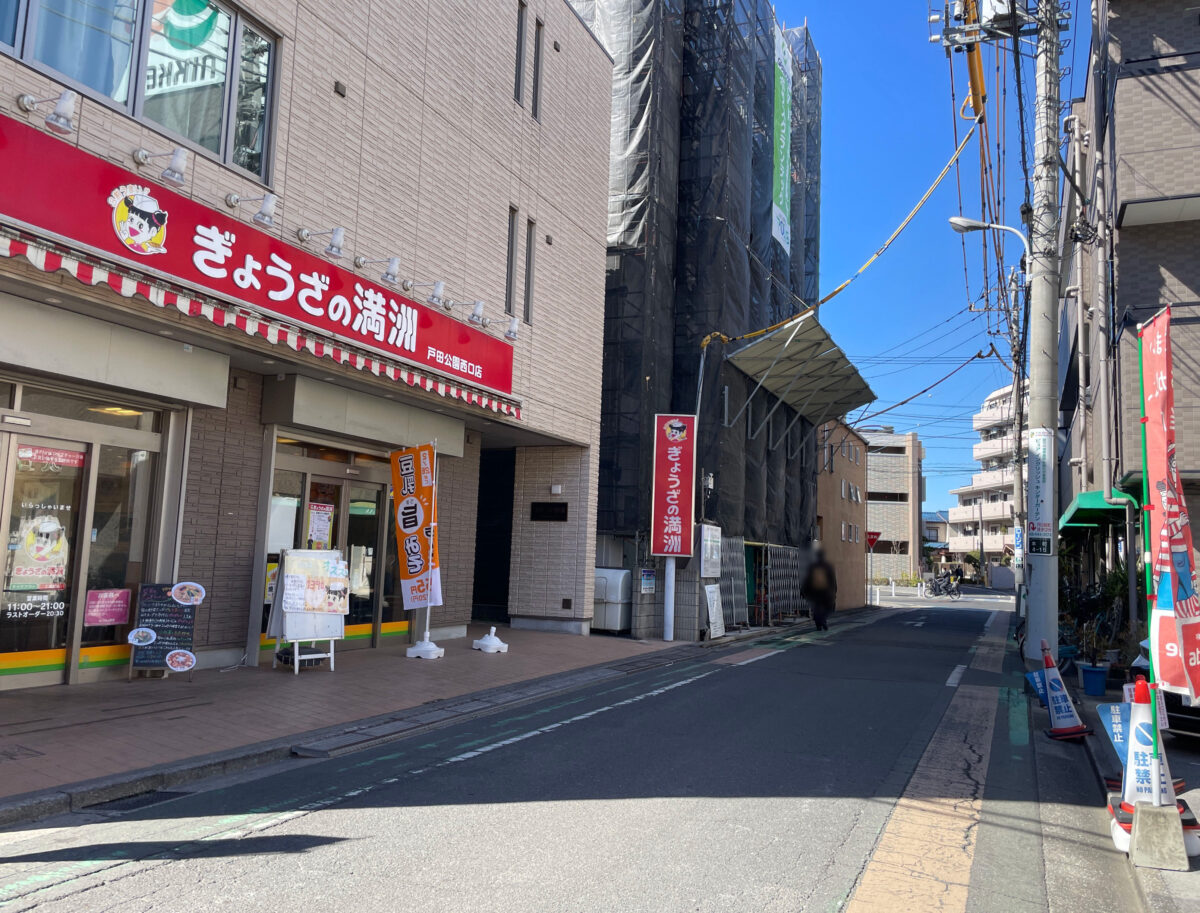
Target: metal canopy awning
1090,509
1157,210
801,365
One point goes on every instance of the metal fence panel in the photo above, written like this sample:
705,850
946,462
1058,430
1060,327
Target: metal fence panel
733,582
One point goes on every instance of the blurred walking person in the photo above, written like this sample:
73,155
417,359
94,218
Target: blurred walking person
820,588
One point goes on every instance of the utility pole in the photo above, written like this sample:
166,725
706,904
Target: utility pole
1042,546
1016,300
982,559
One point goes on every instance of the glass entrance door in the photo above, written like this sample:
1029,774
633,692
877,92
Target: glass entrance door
43,483
362,551
80,496
313,510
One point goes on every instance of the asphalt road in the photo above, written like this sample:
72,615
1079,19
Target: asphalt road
767,778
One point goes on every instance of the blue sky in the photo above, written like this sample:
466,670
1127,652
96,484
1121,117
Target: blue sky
887,130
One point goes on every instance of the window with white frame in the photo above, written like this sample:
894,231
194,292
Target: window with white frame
843,489
196,69
843,530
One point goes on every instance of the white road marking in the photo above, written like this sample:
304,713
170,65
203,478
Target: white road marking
754,659
956,676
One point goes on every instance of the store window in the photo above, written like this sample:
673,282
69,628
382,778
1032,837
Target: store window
99,410
46,484
119,542
81,483
192,67
8,22
89,42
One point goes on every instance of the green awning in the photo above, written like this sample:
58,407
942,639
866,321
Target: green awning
1090,509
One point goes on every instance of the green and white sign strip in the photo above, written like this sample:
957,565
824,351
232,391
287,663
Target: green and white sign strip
781,189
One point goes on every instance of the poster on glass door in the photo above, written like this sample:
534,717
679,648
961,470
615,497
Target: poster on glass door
39,552
414,496
320,525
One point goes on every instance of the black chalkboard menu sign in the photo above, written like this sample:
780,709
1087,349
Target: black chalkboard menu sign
172,621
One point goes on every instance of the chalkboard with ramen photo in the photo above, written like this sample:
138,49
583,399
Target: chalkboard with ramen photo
166,622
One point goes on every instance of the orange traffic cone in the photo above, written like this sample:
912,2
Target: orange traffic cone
1139,783
1064,721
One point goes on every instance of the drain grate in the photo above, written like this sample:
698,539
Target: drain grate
133,803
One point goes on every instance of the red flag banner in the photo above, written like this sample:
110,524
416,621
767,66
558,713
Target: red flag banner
1175,620
671,504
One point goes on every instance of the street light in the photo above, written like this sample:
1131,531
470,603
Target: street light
962,225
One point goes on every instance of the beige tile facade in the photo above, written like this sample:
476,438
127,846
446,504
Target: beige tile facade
421,159
842,508
895,490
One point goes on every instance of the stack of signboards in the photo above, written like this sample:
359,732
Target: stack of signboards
312,599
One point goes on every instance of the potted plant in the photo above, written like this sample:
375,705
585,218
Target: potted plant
1093,670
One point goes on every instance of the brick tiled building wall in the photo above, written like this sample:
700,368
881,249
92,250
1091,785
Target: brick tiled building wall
1140,112
395,120
549,557
219,536
458,492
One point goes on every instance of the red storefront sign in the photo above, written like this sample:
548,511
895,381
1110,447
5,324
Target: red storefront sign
671,504
1175,619
84,199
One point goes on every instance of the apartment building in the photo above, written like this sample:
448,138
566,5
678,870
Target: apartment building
713,234
249,248
842,508
1128,252
984,520
895,491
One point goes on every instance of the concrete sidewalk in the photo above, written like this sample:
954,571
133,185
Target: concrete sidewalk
1163,892
62,749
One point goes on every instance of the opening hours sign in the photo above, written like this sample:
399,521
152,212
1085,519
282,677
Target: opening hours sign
672,504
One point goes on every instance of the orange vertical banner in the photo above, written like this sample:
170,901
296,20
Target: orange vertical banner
1175,621
414,484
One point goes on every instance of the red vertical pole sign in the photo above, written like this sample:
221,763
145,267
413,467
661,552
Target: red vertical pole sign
672,506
